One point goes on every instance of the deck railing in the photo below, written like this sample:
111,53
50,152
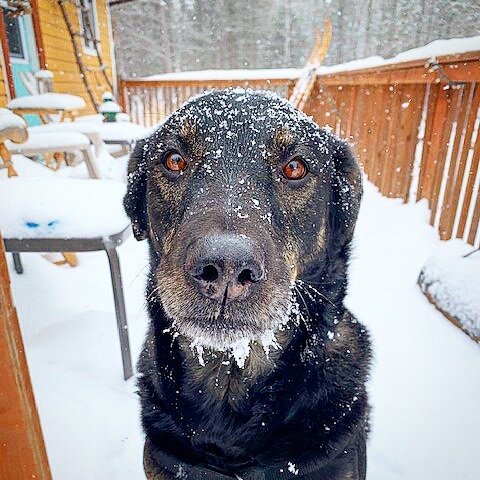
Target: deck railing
415,127
149,102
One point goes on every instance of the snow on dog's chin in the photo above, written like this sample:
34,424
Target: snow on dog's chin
236,342
236,346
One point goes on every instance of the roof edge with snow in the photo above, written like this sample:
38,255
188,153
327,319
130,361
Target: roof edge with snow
437,48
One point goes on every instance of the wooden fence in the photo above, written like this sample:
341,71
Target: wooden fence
415,126
149,102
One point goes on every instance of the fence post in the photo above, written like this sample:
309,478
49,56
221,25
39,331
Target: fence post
22,450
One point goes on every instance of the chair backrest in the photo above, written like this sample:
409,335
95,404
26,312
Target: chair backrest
12,127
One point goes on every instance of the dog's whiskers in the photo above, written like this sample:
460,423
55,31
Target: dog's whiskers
139,272
152,293
297,290
315,290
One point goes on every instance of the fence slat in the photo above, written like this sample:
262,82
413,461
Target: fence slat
449,204
406,152
472,175
440,159
475,221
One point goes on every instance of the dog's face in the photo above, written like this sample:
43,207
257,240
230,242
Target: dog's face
239,195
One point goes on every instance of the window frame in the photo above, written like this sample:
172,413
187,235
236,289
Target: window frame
90,50
25,59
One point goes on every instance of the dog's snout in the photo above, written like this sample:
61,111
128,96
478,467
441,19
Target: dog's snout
224,267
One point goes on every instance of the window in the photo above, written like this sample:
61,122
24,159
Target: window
14,36
88,23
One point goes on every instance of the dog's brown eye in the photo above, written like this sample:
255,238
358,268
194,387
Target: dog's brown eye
175,162
295,169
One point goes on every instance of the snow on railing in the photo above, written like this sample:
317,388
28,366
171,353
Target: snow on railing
150,100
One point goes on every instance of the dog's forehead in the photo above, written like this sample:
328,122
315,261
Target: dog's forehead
252,118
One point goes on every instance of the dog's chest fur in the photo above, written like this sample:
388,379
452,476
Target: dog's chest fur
220,381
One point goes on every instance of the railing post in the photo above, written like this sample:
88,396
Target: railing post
121,94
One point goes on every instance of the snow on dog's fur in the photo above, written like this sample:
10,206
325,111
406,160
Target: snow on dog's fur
248,382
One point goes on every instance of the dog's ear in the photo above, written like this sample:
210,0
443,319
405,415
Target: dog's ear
346,193
135,200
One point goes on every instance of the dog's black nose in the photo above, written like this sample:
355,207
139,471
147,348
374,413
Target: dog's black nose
224,266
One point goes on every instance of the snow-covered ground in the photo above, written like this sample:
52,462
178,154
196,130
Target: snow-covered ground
425,384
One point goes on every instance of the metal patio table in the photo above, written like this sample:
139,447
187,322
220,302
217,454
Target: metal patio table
109,244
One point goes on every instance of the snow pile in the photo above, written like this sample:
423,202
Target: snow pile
25,167
436,48
56,101
452,281
425,384
231,74
46,207
43,74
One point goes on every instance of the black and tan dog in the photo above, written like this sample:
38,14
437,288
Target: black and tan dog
252,368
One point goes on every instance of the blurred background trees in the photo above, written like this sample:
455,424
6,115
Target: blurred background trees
156,36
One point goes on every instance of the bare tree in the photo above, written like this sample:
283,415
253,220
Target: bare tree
154,36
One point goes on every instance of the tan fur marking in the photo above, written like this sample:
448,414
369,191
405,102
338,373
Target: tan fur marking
152,471
345,338
282,139
291,257
321,238
189,133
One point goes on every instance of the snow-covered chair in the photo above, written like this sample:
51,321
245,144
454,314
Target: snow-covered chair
68,215
123,133
63,105
101,134
92,131
16,138
45,143
12,128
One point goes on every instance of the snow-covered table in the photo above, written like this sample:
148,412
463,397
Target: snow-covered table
63,104
43,214
123,133
41,143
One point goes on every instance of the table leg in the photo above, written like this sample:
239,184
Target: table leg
91,162
119,308
17,262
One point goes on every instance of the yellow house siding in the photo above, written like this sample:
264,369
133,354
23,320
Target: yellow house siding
3,85
59,51
3,94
